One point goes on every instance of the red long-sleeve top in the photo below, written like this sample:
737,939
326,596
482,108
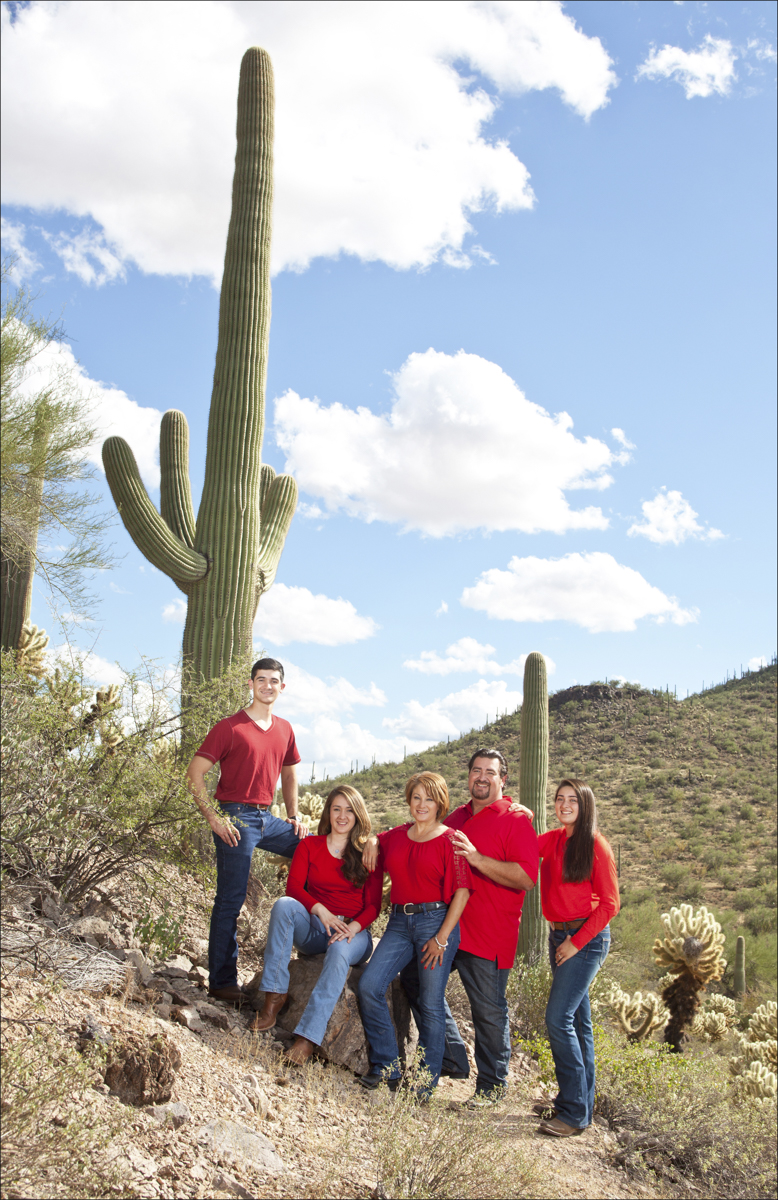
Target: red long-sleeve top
421,872
316,877
596,898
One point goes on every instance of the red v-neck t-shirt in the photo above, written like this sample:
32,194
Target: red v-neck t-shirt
250,758
490,923
316,877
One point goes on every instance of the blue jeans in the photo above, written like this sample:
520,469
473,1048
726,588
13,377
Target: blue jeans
258,828
485,984
292,925
402,943
569,1024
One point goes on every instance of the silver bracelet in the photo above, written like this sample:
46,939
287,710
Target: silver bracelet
440,945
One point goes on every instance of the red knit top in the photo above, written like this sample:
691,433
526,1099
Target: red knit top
596,898
421,872
316,877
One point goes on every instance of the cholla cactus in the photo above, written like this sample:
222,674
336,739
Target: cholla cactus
309,809
757,1084
692,952
30,652
709,1026
715,1020
638,1015
759,1045
65,689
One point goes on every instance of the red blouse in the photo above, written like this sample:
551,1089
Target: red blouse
316,877
596,898
421,872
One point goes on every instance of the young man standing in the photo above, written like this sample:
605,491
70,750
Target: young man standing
501,848
252,748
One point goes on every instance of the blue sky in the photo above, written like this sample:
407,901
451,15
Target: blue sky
486,216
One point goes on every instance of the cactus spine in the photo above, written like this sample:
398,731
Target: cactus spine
740,967
533,780
225,559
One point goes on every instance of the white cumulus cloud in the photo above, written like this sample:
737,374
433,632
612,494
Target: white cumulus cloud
670,518
462,448
701,72
590,590
467,654
112,410
125,113
456,713
295,614
756,664
14,243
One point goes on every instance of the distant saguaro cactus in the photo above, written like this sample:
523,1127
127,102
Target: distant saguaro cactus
740,966
533,780
227,558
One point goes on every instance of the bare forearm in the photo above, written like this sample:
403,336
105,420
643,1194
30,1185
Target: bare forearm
455,910
289,793
509,874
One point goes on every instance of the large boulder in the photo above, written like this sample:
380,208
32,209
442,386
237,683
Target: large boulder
344,1041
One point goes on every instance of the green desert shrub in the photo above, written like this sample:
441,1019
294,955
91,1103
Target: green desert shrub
678,1123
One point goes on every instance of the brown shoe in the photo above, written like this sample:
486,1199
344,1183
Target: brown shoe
544,1108
300,1051
274,1002
557,1128
234,994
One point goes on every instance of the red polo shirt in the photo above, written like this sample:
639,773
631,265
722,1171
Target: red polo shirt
490,923
250,758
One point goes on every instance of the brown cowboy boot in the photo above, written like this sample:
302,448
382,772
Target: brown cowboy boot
274,1002
300,1051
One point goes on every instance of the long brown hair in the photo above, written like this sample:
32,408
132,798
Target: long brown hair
579,849
352,868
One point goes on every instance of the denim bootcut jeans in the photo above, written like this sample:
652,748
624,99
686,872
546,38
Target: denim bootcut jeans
292,924
569,1024
258,828
403,941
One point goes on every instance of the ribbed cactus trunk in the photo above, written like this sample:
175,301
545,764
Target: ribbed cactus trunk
740,967
225,560
16,576
533,780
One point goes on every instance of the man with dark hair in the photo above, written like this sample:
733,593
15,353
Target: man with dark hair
501,848
252,749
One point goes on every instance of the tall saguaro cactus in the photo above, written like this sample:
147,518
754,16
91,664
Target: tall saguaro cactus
227,558
533,780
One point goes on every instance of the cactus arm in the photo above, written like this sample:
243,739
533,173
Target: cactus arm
267,475
740,967
275,520
142,521
175,492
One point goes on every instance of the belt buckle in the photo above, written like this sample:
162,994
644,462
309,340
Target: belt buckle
405,909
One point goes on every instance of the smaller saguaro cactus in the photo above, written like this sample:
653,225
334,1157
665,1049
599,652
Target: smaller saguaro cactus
638,1015
692,952
533,781
740,967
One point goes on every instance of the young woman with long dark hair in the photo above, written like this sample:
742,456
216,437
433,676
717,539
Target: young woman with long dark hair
330,902
579,892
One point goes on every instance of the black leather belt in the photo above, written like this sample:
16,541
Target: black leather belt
407,909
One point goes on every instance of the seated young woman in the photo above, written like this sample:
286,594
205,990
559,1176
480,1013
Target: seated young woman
330,902
430,888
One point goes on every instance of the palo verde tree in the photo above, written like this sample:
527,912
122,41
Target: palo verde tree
225,559
49,525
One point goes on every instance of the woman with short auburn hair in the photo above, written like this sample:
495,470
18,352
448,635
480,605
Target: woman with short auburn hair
430,888
579,893
326,878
